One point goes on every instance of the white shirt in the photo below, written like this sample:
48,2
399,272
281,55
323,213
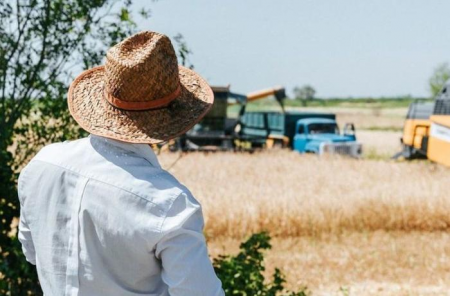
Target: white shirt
100,217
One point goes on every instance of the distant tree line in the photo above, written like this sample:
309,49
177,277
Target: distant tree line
441,74
304,94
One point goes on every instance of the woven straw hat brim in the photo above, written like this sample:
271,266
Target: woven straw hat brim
94,114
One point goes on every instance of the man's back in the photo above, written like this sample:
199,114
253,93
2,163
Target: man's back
100,217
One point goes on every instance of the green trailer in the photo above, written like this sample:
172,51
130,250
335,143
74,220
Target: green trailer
274,128
218,129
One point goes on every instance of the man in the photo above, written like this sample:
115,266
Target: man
99,216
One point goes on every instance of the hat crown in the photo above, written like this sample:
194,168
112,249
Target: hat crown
142,68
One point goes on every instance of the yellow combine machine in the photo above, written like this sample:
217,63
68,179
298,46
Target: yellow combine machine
426,133
416,131
439,139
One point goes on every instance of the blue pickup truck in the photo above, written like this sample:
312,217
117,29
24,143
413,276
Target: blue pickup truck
305,132
320,135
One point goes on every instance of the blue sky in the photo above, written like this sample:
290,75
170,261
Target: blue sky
340,47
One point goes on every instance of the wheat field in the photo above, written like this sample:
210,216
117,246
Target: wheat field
289,194
340,226
367,263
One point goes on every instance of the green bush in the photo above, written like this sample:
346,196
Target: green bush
42,44
242,275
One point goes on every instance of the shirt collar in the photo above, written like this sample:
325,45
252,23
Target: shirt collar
143,150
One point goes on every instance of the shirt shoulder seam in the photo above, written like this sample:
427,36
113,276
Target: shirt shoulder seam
107,183
172,201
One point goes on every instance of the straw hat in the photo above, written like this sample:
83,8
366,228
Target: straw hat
141,94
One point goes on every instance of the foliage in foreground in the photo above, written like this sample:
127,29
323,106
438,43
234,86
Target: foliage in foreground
41,43
242,275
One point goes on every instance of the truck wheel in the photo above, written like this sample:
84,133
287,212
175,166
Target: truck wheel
174,145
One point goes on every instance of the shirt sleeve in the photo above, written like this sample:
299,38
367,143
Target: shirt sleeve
26,240
186,267
24,234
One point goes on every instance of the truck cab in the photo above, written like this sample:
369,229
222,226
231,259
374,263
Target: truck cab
322,135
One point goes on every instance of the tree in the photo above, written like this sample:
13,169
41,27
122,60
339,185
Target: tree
42,42
440,76
304,94
183,51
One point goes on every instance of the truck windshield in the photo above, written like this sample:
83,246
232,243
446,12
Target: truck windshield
323,128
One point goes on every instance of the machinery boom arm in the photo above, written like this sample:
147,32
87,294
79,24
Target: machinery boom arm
278,92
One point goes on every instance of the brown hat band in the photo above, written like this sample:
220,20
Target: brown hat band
139,106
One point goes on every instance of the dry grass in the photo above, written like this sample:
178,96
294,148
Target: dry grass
379,144
341,226
293,195
376,263
373,118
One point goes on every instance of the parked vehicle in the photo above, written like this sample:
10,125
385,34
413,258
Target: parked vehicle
416,131
274,128
302,131
427,130
322,135
439,139
218,130
305,132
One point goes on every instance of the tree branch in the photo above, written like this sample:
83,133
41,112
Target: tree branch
21,30
14,114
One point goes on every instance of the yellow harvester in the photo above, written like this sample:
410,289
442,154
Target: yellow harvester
416,131
439,136
426,133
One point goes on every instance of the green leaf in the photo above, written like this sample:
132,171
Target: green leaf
124,15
